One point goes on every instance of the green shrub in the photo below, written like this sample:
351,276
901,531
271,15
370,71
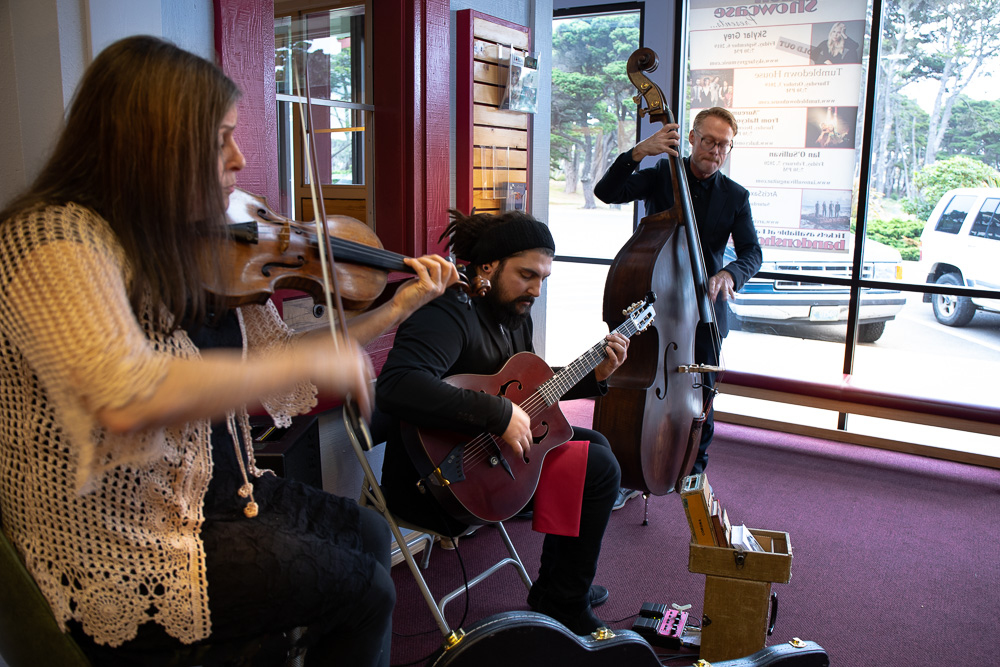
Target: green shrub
934,180
900,233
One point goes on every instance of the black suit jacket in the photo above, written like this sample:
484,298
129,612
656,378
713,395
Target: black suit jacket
728,214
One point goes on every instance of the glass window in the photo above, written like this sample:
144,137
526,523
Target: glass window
985,224
954,214
790,321
327,49
593,120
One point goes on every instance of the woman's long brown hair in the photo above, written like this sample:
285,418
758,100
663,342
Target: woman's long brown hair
140,148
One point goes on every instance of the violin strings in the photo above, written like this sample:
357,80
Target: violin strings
359,251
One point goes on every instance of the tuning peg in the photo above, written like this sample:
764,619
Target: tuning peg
637,99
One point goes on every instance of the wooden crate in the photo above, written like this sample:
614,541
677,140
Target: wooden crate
738,593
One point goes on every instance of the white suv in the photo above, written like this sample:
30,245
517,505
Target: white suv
960,245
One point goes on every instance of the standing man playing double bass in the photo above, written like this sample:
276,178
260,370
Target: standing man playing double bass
721,208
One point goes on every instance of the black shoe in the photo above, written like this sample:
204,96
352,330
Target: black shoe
580,622
598,595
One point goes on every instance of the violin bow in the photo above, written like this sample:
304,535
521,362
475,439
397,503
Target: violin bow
334,302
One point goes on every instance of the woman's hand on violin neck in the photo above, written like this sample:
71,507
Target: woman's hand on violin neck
664,140
434,275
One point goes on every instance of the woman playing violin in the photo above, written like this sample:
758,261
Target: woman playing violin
130,488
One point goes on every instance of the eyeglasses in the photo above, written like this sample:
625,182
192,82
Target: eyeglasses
711,144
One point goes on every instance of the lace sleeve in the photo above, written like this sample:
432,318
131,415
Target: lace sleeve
64,306
264,332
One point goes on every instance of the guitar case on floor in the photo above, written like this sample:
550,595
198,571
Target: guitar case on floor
530,639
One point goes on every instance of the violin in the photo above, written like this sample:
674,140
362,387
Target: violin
264,251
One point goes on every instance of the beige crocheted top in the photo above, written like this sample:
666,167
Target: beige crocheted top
108,526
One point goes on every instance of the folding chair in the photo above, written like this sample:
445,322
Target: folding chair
371,495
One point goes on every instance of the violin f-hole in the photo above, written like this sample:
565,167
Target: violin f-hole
266,269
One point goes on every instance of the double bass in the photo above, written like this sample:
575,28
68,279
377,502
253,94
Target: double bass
655,407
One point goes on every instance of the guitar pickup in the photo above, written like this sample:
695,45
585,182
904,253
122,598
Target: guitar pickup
499,460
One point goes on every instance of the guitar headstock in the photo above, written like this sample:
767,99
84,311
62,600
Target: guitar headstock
641,312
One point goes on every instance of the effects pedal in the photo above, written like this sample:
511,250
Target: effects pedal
660,625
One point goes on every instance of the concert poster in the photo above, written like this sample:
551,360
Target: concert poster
791,74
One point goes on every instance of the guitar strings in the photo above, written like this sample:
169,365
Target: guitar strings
477,449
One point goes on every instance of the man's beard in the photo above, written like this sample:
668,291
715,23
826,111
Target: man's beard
505,312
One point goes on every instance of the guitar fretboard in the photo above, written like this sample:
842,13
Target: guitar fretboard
553,389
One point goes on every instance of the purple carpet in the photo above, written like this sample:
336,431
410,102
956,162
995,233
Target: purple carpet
896,558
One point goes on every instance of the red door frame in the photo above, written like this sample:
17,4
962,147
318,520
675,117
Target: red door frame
411,76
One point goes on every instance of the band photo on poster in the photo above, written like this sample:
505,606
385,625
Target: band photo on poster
711,88
829,210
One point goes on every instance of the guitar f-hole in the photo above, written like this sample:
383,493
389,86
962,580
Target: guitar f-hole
535,439
503,387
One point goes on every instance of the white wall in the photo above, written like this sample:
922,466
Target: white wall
45,45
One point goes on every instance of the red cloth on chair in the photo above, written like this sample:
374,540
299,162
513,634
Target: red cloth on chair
559,496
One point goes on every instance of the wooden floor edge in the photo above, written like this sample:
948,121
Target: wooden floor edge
863,440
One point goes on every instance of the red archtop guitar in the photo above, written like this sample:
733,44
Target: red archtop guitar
479,480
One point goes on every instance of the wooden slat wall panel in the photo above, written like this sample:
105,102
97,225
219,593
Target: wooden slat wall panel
486,73
499,34
354,208
484,115
500,137
486,94
494,145
486,178
484,156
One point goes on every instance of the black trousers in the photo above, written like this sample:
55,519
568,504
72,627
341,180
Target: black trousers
356,633
568,564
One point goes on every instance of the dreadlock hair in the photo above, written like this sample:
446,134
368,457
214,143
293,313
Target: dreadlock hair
481,238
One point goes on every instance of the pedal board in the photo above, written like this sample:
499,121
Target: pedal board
660,624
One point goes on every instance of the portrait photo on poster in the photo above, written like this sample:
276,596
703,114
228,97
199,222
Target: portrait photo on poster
837,43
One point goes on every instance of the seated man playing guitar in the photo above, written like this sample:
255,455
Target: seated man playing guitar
455,335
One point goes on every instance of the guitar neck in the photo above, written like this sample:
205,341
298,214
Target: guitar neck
556,387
